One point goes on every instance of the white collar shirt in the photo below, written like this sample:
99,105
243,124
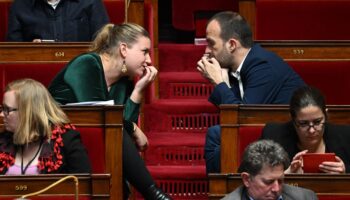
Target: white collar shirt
237,75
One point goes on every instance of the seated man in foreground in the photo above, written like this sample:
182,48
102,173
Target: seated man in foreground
262,172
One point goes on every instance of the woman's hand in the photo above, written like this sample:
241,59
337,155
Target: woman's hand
297,163
147,78
140,138
333,167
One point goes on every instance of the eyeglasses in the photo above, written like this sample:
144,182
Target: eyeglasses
7,110
306,125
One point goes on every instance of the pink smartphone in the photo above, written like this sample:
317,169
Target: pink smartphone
311,161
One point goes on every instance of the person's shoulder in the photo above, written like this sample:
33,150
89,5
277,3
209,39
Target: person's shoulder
279,132
66,131
235,195
85,60
292,192
339,130
5,139
277,127
88,57
23,2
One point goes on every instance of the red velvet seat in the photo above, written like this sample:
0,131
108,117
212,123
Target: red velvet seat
184,13
331,77
42,72
93,140
333,197
115,10
247,135
302,20
4,14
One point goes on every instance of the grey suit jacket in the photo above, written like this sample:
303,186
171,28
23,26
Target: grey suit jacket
288,193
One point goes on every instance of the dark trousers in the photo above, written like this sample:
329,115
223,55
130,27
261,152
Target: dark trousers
212,149
134,169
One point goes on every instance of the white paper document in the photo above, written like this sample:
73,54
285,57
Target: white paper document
92,103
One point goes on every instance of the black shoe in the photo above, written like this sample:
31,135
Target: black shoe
155,193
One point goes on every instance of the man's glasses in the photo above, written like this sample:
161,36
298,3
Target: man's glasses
306,125
7,110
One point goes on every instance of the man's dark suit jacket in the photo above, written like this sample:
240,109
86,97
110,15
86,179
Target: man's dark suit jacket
336,138
266,79
288,193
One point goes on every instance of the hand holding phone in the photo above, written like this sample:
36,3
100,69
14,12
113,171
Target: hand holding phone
311,161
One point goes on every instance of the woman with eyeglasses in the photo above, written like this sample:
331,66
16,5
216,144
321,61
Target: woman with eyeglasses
38,138
309,132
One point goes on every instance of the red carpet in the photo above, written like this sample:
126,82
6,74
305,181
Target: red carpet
177,122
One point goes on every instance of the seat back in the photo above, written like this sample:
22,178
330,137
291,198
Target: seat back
115,10
331,77
247,135
94,141
4,14
302,20
186,14
42,72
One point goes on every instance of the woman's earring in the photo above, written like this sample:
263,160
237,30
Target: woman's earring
124,69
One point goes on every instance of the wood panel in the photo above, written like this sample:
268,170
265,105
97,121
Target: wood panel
64,52
111,119
309,50
221,184
95,186
40,52
247,9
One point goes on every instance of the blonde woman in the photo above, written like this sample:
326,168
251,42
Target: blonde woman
38,138
119,54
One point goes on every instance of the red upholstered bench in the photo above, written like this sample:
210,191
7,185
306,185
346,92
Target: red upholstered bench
4,14
247,135
331,77
302,20
115,10
333,197
42,72
93,139
185,12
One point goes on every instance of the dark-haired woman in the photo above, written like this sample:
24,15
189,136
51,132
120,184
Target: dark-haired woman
309,132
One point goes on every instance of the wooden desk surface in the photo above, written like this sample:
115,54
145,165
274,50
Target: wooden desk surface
322,184
94,185
309,50
65,51
41,52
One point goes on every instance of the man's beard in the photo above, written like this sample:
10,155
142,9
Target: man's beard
225,60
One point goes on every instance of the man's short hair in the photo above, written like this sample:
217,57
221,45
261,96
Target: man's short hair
263,153
235,26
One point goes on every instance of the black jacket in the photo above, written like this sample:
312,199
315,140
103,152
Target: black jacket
72,20
63,154
336,138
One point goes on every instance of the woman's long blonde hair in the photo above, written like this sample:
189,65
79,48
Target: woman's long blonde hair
37,111
110,35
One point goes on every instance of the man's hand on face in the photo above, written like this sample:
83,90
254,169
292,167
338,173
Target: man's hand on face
210,69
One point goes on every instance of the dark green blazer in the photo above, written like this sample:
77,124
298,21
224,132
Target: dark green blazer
83,79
